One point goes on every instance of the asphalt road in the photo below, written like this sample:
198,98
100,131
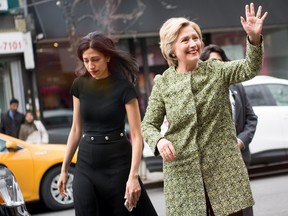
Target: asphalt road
270,194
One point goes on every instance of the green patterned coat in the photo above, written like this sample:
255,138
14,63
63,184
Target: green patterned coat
202,132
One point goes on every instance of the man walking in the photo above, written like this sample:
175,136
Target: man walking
12,119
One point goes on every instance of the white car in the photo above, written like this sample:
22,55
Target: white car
269,98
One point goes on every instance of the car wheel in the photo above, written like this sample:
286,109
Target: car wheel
49,191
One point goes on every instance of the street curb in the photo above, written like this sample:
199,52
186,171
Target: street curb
153,185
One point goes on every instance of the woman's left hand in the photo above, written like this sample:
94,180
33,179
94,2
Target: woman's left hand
253,23
133,191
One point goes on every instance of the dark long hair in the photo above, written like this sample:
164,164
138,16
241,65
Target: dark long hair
121,63
213,48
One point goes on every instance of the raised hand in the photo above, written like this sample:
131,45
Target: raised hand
253,23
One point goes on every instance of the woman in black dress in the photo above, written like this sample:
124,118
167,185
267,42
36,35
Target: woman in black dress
106,173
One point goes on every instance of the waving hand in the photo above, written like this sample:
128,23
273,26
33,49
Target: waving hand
253,23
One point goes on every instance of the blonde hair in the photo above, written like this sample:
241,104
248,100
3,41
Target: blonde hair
168,34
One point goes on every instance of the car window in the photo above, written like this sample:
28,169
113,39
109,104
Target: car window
58,121
2,145
58,118
256,96
279,93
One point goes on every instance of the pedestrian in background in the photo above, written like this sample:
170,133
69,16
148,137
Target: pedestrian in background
12,119
243,114
33,131
204,173
107,167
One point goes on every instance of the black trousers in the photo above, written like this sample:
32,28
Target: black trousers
100,178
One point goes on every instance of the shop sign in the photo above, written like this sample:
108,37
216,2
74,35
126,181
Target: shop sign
18,42
11,43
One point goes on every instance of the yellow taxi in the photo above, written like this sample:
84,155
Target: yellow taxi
37,170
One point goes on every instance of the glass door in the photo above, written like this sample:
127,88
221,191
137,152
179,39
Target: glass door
5,85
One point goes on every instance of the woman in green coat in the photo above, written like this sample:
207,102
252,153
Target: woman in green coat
204,173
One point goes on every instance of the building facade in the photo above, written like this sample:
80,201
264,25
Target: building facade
17,75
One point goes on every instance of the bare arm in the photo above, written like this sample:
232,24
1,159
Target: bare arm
72,145
133,189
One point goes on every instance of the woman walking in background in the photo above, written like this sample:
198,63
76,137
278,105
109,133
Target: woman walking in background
33,131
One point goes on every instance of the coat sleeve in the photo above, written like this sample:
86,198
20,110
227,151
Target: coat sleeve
43,132
237,71
154,116
22,135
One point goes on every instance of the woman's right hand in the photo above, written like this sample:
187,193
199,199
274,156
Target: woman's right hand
62,184
166,149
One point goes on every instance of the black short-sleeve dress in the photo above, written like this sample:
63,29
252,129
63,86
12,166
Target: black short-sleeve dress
104,156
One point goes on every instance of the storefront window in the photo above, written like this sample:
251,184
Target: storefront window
5,86
56,65
55,71
151,62
275,45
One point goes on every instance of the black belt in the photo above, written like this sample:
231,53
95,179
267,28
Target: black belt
104,138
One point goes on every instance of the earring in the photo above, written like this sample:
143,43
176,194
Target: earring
173,55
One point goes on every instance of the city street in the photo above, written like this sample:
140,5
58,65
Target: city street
51,68
270,193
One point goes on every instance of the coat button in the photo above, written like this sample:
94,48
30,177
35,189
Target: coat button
121,134
92,138
106,138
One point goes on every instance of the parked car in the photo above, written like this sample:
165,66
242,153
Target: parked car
269,98
58,123
11,198
37,169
